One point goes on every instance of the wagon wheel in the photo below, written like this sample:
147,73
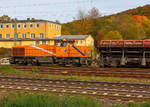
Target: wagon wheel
101,62
114,63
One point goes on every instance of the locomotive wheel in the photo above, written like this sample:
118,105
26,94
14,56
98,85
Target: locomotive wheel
25,63
100,62
62,64
88,62
12,60
77,64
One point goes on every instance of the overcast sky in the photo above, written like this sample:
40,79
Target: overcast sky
63,10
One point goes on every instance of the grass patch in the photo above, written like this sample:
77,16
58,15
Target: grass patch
35,70
24,99
7,70
134,104
44,100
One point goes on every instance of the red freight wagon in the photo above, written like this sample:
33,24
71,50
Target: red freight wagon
124,43
124,52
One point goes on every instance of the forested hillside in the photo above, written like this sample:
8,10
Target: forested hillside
130,24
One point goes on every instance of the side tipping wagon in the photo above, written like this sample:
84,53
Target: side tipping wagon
115,53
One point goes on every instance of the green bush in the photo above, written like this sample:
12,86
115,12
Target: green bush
43,100
7,68
132,104
35,69
145,104
118,106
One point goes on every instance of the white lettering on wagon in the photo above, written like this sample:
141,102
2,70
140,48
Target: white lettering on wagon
43,49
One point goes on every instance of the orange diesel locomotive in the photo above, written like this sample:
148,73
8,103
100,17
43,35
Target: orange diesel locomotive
62,53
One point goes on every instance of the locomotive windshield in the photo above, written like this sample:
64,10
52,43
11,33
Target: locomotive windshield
64,43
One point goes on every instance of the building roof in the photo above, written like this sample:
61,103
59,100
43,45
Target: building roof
70,37
27,21
62,37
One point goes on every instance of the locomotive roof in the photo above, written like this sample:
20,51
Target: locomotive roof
71,37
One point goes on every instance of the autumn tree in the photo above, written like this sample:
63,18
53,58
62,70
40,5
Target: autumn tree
86,21
128,27
94,13
146,25
81,15
5,18
140,19
101,33
113,35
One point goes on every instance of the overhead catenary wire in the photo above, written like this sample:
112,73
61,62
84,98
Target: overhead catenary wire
46,10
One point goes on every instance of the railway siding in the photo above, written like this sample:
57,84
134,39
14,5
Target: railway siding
110,90
90,71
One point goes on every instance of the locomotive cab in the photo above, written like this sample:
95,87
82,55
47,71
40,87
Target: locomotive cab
67,53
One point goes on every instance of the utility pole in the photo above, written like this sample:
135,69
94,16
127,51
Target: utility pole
15,31
91,3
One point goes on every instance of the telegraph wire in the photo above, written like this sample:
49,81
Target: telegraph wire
21,10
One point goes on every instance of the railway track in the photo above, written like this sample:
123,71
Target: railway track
90,71
106,90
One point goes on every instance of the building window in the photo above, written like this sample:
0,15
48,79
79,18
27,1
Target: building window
1,26
41,35
16,36
18,25
7,36
31,25
76,41
24,25
37,25
53,26
37,42
13,25
32,35
7,25
57,27
23,36
0,36
43,42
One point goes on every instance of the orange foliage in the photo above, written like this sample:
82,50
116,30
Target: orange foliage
140,19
